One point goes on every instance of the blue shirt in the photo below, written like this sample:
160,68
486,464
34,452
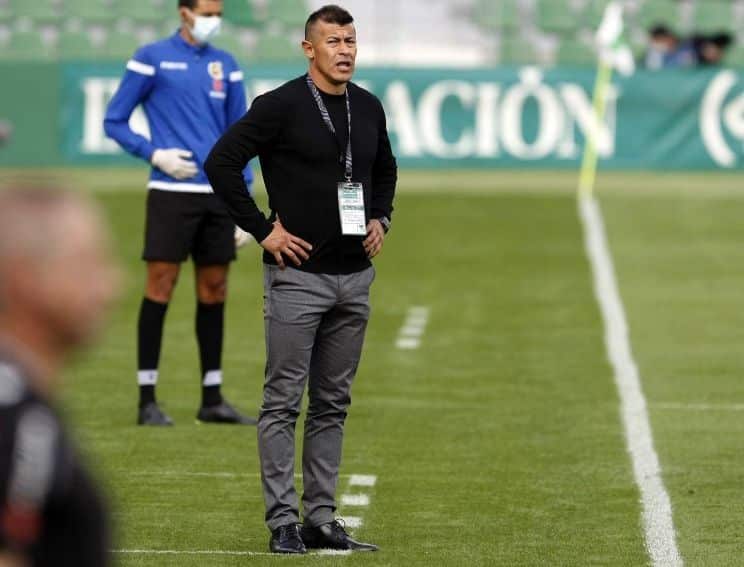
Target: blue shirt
190,94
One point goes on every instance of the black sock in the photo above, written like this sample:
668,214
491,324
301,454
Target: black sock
149,339
209,331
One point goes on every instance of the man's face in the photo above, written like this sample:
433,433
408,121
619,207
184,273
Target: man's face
664,43
332,50
712,53
206,8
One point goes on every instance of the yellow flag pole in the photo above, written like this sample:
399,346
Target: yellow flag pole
588,173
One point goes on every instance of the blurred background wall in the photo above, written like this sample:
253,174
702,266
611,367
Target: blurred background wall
466,83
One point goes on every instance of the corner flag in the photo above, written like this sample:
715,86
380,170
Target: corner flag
613,54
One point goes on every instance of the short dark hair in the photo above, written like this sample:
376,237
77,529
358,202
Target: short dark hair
330,14
190,4
660,30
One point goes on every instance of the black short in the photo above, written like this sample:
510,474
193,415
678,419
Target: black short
182,224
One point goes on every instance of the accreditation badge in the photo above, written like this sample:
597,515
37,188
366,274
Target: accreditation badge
351,208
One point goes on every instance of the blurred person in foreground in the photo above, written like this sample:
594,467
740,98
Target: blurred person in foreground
56,281
191,93
330,174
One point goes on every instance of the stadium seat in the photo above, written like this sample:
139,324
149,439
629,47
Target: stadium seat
5,12
291,13
593,13
277,49
91,10
148,11
557,16
714,16
120,46
654,12
495,16
241,13
517,51
37,10
76,46
229,40
573,52
26,46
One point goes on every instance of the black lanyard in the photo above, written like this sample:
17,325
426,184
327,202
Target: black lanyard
346,160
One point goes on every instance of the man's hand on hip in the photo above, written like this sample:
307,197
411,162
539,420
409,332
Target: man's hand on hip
175,162
279,242
375,238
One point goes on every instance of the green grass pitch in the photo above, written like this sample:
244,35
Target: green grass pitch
498,441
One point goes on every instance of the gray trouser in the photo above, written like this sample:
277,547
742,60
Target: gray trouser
315,326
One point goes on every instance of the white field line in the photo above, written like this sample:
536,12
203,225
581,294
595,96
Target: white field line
354,500
362,480
409,336
657,508
219,552
698,407
218,474
187,552
358,499
353,522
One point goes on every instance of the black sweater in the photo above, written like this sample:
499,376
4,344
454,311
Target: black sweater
300,163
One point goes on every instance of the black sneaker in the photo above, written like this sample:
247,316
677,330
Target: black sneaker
332,536
151,414
223,413
286,539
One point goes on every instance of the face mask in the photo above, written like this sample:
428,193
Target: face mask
205,28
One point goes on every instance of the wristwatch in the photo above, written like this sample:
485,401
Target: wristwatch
385,222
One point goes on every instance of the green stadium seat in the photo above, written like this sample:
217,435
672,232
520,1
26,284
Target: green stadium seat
487,15
37,10
229,40
714,16
241,13
76,45
576,53
491,15
654,12
120,46
26,46
291,13
594,12
147,11
169,27
517,51
277,49
5,12
91,10
557,16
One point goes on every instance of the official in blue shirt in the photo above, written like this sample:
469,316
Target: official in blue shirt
191,93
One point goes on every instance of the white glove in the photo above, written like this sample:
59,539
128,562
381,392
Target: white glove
241,237
175,162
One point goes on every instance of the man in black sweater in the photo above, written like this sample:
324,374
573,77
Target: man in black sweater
330,174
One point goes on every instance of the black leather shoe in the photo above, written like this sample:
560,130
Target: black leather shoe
151,414
286,539
223,413
332,536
